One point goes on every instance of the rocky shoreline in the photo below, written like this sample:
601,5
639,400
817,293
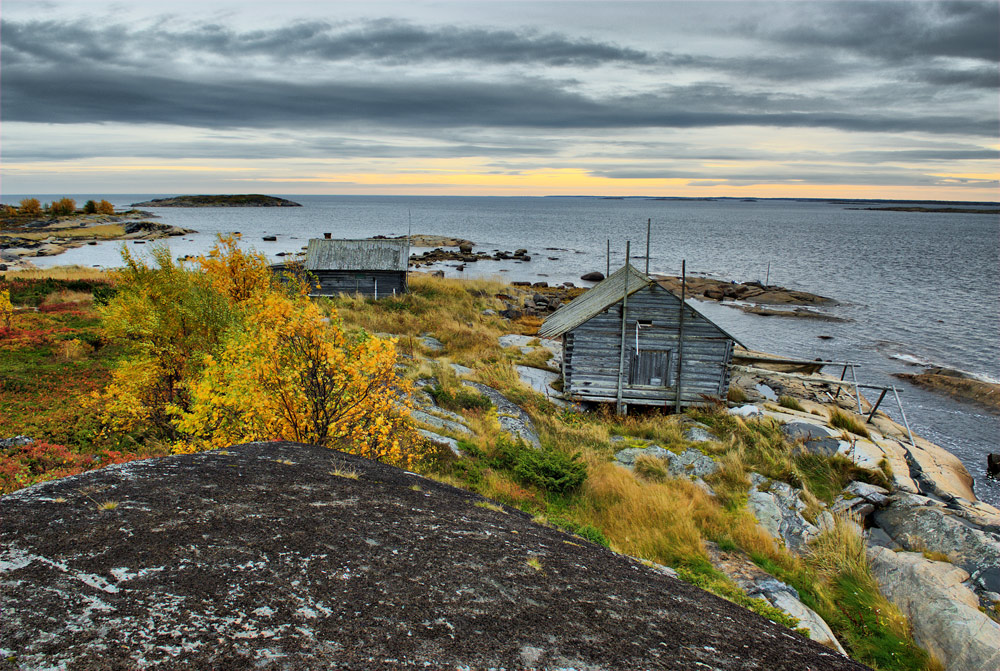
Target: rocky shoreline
53,236
933,547
958,385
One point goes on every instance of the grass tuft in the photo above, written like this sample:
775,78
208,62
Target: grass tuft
842,420
490,506
791,403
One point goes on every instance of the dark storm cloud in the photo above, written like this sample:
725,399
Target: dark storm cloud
892,31
385,40
81,94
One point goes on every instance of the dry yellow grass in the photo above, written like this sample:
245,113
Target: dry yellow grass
61,273
100,232
66,296
650,520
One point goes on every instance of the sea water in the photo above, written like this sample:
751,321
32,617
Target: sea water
913,287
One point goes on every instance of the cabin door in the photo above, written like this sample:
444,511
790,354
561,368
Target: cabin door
650,368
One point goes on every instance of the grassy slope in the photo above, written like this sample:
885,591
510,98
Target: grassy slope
647,515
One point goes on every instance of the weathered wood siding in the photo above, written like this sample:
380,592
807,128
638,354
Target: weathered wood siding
592,352
332,282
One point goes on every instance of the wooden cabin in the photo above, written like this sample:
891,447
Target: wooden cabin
629,341
372,267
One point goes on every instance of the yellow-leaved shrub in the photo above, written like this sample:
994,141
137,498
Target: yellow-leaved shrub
267,365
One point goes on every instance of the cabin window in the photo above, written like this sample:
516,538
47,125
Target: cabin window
645,322
651,368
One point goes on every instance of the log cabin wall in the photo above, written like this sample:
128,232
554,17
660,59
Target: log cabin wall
591,355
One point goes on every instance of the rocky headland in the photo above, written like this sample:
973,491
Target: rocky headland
54,235
239,200
958,385
287,556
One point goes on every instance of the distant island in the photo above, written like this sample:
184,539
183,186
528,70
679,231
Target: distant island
241,200
953,210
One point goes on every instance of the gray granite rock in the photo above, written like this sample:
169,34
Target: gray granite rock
691,463
944,614
747,411
778,508
919,523
440,422
817,439
460,370
432,343
451,443
874,494
513,420
699,433
855,507
628,456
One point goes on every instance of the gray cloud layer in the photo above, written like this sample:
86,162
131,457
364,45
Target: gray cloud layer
917,68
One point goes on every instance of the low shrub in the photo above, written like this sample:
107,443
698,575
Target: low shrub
552,471
459,399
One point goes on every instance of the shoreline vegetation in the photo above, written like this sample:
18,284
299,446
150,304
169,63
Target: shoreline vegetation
237,200
735,496
35,230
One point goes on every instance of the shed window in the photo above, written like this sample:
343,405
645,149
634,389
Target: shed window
651,368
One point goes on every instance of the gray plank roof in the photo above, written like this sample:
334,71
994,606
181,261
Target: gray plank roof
602,296
368,254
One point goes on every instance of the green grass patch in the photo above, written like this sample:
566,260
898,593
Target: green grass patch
791,403
459,398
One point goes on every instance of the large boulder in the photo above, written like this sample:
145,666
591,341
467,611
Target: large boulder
943,612
919,523
287,556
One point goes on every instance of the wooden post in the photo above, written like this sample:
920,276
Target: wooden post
607,269
875,407
680,339
649,224
620,406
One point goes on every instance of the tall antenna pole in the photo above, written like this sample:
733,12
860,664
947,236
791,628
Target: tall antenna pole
649,226
619,405
680,338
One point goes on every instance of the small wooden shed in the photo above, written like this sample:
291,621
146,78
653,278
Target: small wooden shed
630,341
371,267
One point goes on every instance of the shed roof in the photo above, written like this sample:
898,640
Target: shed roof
600,298
370,254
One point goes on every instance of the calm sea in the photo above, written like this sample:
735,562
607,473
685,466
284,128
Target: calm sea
915,288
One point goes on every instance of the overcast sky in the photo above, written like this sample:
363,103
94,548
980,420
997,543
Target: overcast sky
893,99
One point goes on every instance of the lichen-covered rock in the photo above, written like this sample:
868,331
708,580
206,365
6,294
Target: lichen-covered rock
513,420
943,612
285,556
778,508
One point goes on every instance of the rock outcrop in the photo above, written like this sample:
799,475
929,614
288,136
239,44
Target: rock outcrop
943,612
286,556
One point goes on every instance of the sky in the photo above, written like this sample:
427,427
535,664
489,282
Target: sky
818,99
